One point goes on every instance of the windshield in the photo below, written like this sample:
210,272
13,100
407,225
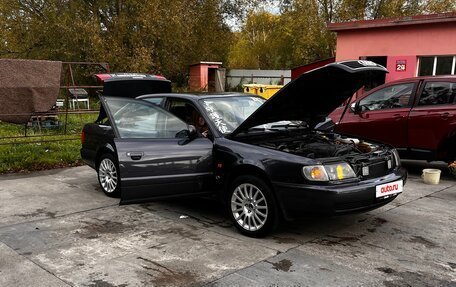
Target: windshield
229,112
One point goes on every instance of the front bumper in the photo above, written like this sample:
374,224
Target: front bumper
298,199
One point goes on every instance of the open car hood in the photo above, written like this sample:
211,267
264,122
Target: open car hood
315,94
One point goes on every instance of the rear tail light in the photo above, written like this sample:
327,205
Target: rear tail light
160,77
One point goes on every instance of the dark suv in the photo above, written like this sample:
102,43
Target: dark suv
416,115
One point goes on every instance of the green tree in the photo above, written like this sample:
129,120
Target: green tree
299,33
255,45
132,35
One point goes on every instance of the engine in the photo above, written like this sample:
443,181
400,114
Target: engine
318,145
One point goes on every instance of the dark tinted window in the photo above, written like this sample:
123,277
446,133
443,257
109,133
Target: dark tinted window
397,96
444,65
426,66
438,93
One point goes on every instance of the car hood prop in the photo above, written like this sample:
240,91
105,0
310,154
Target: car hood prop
315,94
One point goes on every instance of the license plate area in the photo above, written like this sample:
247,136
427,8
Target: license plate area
388,189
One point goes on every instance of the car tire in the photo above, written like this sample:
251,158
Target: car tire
252,206
108,175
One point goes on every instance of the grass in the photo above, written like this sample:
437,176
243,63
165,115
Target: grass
42,148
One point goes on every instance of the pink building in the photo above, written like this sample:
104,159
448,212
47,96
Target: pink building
408,47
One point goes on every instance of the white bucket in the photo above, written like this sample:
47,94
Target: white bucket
431,176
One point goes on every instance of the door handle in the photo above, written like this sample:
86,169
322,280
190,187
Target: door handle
135,155
397,117
446,115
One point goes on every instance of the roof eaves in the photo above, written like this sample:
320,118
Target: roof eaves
389,22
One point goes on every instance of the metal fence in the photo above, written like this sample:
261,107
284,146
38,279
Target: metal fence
235,78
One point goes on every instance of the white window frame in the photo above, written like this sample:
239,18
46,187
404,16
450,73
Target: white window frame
434,67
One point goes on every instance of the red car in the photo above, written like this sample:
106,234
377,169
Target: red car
416,115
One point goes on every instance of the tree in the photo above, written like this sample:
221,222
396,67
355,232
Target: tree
299,34
132,35
255,44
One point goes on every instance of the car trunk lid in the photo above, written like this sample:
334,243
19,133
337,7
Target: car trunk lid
131,85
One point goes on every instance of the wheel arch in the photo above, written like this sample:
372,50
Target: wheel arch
250,169
448,147
107,148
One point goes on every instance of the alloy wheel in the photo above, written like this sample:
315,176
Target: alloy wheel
249,207
107,174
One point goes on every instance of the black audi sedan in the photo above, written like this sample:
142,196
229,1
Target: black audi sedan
264,159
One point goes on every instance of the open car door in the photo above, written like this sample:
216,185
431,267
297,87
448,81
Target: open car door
156,154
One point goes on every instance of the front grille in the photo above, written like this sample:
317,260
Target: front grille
376,168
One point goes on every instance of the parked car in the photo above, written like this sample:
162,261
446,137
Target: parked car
263,159
417,116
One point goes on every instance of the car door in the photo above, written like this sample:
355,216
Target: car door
381,115
155,155
433,119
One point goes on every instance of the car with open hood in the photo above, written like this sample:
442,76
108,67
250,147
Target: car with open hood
264,159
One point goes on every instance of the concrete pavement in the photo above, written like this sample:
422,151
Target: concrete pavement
58,229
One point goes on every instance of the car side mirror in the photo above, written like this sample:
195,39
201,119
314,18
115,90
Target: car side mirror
192,132
355,108
187,135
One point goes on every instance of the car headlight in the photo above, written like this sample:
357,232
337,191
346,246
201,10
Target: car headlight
315,173
396,157
337,171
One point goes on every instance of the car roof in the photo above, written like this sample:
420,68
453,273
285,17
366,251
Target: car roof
440,77
197,96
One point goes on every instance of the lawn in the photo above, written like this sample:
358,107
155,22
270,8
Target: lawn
43,148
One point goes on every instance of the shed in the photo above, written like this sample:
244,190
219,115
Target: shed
207,77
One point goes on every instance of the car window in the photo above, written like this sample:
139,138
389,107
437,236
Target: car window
155,101
438,93
187,112
134,119
228,113
396,96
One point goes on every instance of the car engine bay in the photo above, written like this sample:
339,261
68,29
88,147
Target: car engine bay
321,145
331,147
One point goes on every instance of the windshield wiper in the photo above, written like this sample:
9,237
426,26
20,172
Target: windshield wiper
256,129
287,126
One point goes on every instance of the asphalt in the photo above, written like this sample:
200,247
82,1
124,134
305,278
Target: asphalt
58,229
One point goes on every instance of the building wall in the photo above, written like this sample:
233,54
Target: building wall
194,81
398,43
410,71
